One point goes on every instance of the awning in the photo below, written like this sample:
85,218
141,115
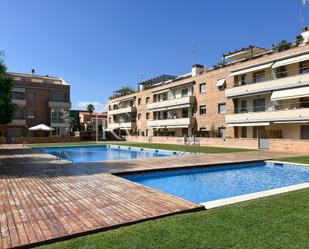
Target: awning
115,103
220,82
41,127
292,122
252,69
250,124
162,91
19,89
292,60
293,93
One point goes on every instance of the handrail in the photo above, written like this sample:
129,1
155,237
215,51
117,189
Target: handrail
274,76
271,108
65,153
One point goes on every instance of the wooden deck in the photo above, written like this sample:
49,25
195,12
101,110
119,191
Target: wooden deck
42,200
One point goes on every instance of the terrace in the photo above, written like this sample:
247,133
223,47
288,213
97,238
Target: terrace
45,201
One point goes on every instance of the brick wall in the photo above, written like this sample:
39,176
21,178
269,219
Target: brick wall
289,145
214,142
33,140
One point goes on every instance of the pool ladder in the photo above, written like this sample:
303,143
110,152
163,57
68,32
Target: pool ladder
65,154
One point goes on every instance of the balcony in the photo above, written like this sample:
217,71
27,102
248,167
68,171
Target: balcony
287,79
283,113
128,109
122,125
183,102
18,122
59,104
171,123
19,102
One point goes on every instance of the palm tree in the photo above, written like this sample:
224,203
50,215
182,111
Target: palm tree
7,108
90,109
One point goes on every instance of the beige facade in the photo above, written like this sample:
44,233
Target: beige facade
264,96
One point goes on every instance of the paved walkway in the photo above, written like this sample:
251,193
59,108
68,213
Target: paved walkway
42,200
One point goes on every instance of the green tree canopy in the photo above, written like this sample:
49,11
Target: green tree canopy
90,108
7,108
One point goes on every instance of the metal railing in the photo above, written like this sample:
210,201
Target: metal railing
65,154
274,76
271,108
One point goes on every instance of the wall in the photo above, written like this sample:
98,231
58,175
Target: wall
33,140
215,142
289,145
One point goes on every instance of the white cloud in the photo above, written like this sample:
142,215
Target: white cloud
99,107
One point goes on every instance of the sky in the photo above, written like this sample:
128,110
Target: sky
98,46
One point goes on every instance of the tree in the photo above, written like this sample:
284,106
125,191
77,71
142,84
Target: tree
90,109
7,108
299,40
282,46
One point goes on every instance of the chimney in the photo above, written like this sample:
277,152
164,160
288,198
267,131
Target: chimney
197,69
32,71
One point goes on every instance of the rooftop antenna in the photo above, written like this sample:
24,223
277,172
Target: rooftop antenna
142,77
302,6
193,55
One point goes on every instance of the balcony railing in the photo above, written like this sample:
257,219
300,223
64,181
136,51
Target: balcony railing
297,80
121,125
121,110
283,112
181,102
274,76
19,102
171,123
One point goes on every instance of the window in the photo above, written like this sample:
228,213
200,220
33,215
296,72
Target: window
31,114
18,114
281,72
147,115
222,131
139,116
185,113
203,110
244,106
147,100
184,92
221,108
259,105
109,108
259,76
304,67
243,132
243,79
17,95
58,96
203,88
139,100
203,129
30,95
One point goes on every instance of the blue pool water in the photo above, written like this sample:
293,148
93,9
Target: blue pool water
102,153
213,183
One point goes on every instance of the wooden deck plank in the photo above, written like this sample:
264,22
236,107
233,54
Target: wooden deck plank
42,200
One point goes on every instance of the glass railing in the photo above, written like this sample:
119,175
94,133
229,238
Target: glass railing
274,76
271,108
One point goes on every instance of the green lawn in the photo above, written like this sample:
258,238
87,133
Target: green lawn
297,159
275,222
173,147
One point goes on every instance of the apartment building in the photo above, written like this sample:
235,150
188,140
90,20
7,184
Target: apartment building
254,93
88,121
39,100
180,106
271,96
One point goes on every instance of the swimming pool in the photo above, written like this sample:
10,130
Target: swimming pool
102,153
205,184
